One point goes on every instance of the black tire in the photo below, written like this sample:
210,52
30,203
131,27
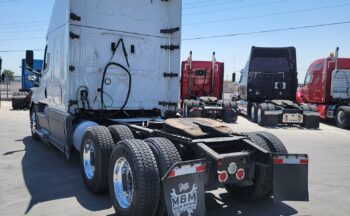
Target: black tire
33,124
103,144
145,178
262,181
253,112
261,111
166,156
230,117
275,144
120,132
343,121
188,104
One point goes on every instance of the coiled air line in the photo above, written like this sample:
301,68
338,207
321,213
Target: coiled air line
114,49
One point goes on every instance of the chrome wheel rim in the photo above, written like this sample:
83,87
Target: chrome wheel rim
341,117
123,182
89,159
259,115
252,113
33,118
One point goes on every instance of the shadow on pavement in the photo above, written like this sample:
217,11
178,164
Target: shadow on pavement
225,205
48,175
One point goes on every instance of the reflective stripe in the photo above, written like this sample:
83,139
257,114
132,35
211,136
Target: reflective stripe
290,160
187,169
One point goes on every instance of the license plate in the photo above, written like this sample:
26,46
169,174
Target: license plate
293,118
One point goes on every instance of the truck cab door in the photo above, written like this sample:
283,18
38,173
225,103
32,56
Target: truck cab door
305,90
315,89
315,85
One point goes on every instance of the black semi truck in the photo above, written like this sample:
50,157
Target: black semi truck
267,89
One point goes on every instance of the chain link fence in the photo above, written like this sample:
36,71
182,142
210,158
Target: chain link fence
9,88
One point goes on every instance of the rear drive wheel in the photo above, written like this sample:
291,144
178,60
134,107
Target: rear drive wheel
166,156
188,104
34,124
120,132
275,144
253,112
342,117
133,178
262,181
95,152
260,116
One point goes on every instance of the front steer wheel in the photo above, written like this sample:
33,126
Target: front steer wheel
133,177
34,124
95,152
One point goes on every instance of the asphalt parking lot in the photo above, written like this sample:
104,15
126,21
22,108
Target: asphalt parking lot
36,179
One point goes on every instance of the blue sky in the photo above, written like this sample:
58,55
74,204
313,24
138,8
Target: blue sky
310,43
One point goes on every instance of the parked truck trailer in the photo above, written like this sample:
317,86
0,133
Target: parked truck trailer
267,88
103,93
327,88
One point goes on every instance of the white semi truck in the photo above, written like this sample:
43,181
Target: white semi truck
110,82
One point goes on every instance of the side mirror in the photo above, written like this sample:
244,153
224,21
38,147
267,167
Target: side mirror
30,59
234,77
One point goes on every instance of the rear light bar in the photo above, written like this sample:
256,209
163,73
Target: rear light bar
291,160
187,169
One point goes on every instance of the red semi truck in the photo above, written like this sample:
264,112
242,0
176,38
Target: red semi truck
202,89
327,85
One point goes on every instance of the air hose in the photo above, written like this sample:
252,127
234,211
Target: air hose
114,49
102,84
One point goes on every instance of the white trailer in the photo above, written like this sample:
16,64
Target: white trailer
109,84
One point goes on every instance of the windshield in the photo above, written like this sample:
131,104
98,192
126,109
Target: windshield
269,64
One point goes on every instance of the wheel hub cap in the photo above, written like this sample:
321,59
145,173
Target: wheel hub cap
341,117
123,182
259,115
252,114
89,159
33,118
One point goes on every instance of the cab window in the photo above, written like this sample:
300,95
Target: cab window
307,79
45,66
319,66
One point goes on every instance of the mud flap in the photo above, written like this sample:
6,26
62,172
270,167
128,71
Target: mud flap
183,188
290,177
311,119
271,118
